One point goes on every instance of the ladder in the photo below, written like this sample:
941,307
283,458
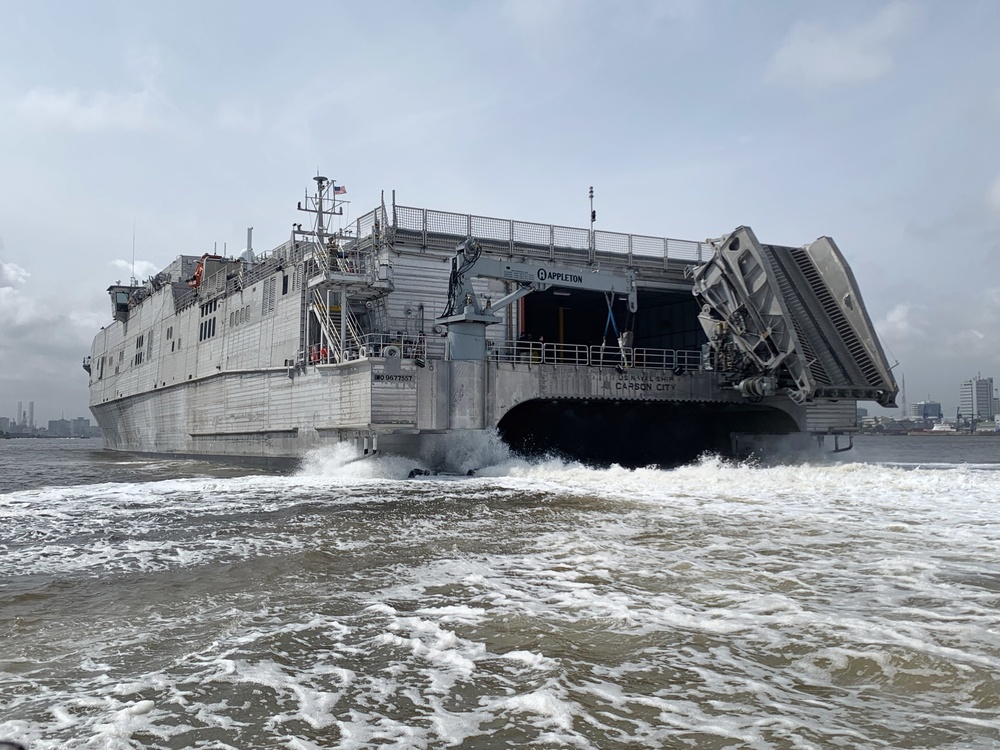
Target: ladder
329,318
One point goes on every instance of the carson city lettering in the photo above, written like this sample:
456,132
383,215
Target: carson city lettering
644,383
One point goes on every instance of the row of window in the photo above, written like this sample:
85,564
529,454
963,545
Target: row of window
143,351
143,348
207,328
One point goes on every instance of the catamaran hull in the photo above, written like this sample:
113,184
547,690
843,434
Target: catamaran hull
445,414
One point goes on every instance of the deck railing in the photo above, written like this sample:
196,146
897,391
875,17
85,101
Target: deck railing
523,237
404,345
582,355
419,347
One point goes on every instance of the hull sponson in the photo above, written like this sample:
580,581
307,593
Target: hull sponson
274,418
281,413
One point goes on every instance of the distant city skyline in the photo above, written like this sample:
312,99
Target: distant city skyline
28,409
949,403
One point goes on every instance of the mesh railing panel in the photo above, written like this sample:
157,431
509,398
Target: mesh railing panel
502,232
648,246
442,222
364,225
611,242
409,218
578,239
484,228
532,234
684,249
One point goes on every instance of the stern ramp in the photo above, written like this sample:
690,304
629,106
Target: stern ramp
793,314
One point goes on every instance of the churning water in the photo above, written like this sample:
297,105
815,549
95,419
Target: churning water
843,604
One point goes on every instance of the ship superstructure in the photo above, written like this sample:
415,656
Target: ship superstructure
409,328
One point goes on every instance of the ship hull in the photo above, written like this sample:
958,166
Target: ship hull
402,336
450,415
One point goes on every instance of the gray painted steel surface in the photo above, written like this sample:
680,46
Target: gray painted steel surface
332,338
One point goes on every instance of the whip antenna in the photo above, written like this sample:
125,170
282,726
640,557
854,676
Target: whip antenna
133,279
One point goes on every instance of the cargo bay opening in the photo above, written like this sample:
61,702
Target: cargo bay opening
664,320
635,433
630,433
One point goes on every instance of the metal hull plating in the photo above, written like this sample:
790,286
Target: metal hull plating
367,337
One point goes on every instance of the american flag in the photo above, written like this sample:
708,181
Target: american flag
339,190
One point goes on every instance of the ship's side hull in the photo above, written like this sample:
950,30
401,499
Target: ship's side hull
437,412
279,413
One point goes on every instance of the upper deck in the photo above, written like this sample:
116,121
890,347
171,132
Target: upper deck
432,230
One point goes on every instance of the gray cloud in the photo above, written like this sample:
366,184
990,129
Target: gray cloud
141,269
815,57
12,275
42,345
993,196
98,110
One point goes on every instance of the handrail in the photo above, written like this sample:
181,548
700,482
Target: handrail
337,351
404,345
581,355
512,236
417,346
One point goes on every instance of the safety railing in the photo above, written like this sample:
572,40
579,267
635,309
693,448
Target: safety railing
329,317
581,355
419,347
538,352
404,345
266,263
667,359
550,240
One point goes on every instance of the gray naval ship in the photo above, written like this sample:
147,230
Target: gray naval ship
410,331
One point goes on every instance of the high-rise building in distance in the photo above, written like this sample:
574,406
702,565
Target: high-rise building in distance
977,399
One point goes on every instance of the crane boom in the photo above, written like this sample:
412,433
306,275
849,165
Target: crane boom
467,318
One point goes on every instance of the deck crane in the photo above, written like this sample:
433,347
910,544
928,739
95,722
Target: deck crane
466,317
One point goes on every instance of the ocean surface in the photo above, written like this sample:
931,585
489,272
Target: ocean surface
852,602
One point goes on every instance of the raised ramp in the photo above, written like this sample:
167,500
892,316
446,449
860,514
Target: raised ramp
794,313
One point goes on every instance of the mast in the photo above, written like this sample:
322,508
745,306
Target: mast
593,218
132,280
320,185
321,207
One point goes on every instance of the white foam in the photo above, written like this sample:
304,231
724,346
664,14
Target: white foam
548,708
137,709
531,659
772,606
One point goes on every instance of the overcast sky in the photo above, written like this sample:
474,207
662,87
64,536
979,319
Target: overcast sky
876,123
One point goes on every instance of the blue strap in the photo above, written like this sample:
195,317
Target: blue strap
609,298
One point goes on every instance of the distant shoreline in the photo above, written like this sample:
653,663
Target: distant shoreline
14,436
931,433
